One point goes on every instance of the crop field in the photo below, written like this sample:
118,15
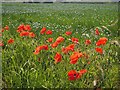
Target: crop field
59,45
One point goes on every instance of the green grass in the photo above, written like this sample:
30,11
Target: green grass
20,67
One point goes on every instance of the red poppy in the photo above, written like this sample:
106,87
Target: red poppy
75,40
44,47
21,27
73,75
68,48
31,34
74,57
49,39
2,30
101,41
36,52
38,48
6,27
87,42
57,58
60,39
68,32
82,71
24,33
99,50
55,44
43,30
27,27
10,41
48,32
97,31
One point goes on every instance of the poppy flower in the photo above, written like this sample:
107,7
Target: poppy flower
74,57
68,32
38,48
2,30
55,44
6,27
36,52
82,71
21,27
10,41
24,33
43,30
31,34
101,41
60,39
49,39
73,75
87,42
75,40
99,50
97,31
48,32
68,48
27,27
44,47
57,58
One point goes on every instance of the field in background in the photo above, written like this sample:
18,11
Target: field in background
21,68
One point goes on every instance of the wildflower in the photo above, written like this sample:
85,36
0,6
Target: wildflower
55,44
68,32
38,48
87,42
44,47
49,39
24,33
73,75
27,27
68,48
75,40
6,27
31,34
21,27
48,32
58,57
10,41
43,30
97,31
2,30
60,39
82,71
101,41
74,57
99,50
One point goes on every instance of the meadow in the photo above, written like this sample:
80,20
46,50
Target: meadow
59,45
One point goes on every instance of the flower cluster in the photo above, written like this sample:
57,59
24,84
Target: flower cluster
74,55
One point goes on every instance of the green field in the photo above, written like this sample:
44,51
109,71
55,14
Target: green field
22,68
